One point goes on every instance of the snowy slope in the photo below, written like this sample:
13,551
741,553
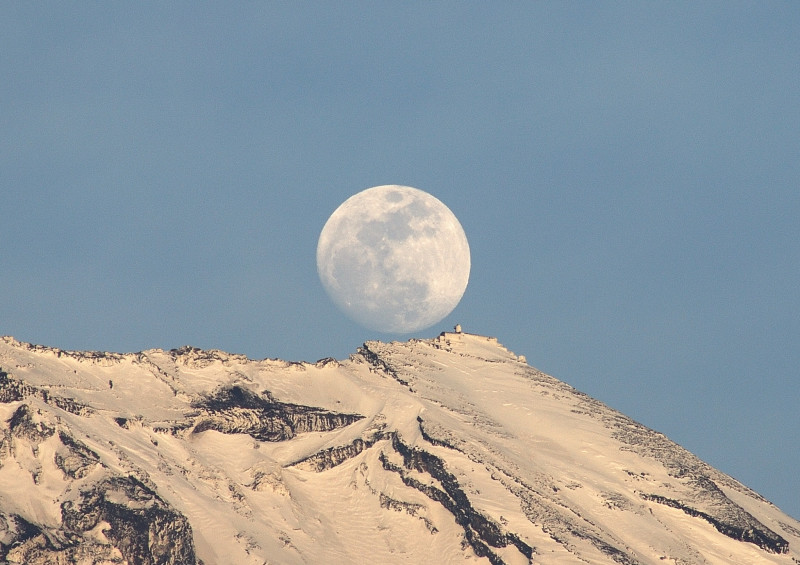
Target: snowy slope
450,450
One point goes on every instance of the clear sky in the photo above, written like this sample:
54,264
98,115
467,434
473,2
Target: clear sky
628,176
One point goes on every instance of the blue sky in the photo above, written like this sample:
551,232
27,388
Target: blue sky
627,175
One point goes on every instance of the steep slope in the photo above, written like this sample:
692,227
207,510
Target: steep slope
447,450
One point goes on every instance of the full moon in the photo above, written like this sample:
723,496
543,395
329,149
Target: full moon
394,259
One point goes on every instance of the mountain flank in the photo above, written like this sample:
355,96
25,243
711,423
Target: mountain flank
443,450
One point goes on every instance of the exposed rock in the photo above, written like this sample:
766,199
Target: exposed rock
145,529
493,461
410,508
23,425
12,390
267,477
6,445
15,530
380,364
28,544
200,358
102,358
326,361
480,532
739,526
333,456
236,410
75,459
124,423
705,499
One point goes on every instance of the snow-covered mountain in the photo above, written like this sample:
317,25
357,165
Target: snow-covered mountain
448,450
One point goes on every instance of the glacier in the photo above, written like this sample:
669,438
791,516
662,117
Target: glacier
444,450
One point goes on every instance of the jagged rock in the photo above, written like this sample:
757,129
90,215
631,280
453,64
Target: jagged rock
6,445
22,425
141,525
199,358
410,508
333,456
236,410
75,459
12,390
380,364
446,450
26,543
326,361
480,531
737,525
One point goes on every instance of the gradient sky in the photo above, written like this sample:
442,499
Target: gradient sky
627,175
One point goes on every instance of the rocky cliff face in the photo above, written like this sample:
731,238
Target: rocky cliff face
429,451
112,519
236,410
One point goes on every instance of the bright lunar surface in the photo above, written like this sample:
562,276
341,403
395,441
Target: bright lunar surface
394,259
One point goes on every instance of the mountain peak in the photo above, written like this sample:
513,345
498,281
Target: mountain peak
431,450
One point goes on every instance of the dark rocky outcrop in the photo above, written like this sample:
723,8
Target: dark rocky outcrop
199,358
103,358
409,508
15,531
22,424
142,530
480,532
334,456
28,544
6,445
12,390
145,529
739,526
707,500
326,362
236,410
380,364
75,458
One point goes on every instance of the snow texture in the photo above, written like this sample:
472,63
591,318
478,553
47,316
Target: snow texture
448,450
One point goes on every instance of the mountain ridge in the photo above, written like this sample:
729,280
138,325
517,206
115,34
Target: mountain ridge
431,450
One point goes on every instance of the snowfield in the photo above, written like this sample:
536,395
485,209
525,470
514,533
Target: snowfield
447,450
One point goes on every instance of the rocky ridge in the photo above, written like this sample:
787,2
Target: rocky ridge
441,450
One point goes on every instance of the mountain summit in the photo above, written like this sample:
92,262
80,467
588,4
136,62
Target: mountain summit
444,450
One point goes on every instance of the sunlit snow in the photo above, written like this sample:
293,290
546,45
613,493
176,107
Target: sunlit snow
520,462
